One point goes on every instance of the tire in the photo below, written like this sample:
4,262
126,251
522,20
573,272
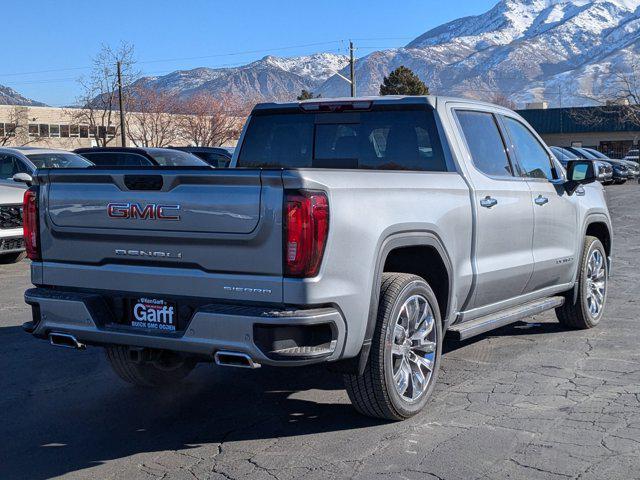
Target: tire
15,257
580,314
375,393
165,371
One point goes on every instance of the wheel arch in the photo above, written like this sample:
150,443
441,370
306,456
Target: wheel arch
597,225
394,252
599,228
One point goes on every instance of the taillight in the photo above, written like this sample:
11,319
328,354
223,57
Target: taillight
306,226
30,224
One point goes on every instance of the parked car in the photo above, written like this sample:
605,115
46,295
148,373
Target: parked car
633,167
353,233
621,172
24,160
139,157
563,155
604,170
11,240
218,157
633,155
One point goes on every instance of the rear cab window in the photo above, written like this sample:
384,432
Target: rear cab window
382,138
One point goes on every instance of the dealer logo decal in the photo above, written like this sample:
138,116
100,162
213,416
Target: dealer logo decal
153,314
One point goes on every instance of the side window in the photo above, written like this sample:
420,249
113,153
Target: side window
533,158
8,166
485,143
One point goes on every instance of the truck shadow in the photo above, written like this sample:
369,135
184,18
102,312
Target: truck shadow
515,329
64,410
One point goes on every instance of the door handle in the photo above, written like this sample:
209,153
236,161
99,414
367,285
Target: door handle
541,200
488,202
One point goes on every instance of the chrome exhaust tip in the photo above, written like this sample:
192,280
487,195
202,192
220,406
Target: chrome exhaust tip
65,340
234,359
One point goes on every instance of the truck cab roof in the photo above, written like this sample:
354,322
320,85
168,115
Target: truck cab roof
366,102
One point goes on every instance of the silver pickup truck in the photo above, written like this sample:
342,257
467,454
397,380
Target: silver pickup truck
353,233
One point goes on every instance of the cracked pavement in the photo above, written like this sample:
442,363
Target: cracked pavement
527,401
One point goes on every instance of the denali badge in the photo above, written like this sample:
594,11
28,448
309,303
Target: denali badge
151,211
147,253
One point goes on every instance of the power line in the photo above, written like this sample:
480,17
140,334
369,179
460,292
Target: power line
228,54
51,80
246,52
217,55
147,73
383,38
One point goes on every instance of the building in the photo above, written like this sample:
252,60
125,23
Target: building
595,127
50,127
68,129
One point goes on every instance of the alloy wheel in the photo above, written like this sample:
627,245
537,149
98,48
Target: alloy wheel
596,283
413,350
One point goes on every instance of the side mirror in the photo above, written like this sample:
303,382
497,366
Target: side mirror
579,172
23,178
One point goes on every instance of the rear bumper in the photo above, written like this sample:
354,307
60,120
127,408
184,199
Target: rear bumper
212,328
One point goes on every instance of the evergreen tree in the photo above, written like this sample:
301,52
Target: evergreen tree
402,81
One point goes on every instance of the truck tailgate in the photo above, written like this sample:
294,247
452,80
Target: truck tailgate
219,222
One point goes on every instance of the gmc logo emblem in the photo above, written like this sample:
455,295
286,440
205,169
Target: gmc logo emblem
151,211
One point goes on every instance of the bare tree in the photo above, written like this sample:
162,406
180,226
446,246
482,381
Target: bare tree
617,99
11,128
16,129
99,93
628,95
503,100
497,90
210,122
152,120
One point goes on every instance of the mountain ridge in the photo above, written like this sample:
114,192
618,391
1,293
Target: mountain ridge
528,50
566,52
8,96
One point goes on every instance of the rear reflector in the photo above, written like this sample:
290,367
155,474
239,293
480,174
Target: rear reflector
30,225
306,227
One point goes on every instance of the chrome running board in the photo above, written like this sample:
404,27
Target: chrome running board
465,330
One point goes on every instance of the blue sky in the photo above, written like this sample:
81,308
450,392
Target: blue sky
64,35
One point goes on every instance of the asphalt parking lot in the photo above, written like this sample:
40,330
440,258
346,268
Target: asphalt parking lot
527,401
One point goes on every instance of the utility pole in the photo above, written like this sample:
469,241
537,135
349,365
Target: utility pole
352,68
560,95
123,136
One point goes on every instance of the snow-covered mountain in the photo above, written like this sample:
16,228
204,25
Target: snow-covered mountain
526,49
556,50
268,78
9,96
